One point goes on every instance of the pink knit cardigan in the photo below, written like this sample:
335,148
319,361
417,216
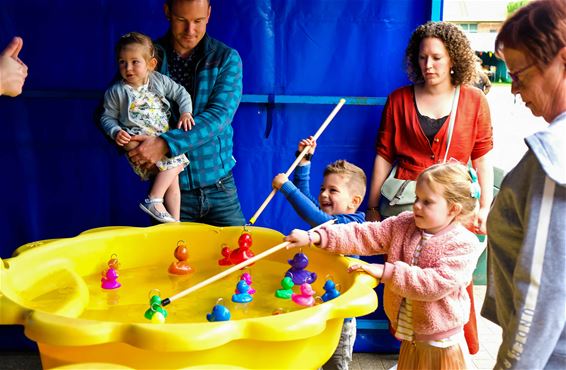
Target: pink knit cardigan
436,285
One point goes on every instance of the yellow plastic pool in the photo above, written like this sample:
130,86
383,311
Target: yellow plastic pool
53,289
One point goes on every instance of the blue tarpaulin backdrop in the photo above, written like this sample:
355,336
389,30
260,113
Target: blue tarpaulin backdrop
62,177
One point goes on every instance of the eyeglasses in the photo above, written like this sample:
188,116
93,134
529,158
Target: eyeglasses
515,75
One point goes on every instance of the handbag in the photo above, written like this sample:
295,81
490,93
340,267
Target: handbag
399,195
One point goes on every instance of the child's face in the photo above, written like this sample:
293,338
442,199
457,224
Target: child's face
432,211
133,65
335,196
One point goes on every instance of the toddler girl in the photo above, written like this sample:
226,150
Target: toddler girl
431,259
138,105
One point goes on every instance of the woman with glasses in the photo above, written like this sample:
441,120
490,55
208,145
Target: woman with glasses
526,292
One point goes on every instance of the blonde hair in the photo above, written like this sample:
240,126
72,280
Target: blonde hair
454,182
136,38
356,176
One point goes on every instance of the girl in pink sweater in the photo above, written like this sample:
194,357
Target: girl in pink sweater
431,258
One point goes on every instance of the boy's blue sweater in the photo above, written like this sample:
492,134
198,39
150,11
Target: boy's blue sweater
307,207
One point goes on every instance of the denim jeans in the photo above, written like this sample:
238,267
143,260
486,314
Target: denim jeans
215,204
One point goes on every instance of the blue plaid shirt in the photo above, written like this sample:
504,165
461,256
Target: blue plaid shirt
216,90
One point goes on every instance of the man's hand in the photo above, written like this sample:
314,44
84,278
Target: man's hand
186,122
13,71
150,150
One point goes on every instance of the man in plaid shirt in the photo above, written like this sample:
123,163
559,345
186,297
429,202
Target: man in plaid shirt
212,74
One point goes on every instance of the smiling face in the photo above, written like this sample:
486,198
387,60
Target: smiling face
542,91
434,61
335,196
432,211
188,23
135,64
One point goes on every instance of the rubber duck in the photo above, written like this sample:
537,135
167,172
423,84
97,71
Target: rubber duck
242,295
109,280
154,309
297,271
287,291
306,297
248,279
113,262
331,291
240,254
219,313
225,252
181,267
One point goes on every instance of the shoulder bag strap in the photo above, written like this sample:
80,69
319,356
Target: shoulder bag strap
452,119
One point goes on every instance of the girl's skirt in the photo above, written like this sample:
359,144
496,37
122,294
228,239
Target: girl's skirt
423,356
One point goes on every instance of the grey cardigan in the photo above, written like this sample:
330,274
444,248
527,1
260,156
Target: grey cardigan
117,98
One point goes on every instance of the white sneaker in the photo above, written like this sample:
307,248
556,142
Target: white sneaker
148,206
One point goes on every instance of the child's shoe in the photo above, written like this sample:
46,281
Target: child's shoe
148,206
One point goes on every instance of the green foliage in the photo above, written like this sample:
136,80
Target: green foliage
514,5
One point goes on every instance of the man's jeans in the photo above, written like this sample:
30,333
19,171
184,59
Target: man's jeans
215,204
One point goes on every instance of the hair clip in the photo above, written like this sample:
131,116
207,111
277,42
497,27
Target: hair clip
475,190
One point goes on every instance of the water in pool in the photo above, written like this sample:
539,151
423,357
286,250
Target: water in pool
129,302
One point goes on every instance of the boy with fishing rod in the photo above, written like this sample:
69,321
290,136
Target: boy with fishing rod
342,191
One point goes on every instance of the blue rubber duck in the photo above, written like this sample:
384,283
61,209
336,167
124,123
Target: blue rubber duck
331,291
219,313
242,296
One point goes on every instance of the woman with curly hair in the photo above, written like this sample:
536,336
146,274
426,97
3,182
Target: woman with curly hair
414,131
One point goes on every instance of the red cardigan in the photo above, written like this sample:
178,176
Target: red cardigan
402,139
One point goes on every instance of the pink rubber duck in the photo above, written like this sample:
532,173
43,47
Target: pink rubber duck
109,280
306,296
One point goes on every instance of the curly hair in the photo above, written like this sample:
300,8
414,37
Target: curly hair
538,30
457,45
